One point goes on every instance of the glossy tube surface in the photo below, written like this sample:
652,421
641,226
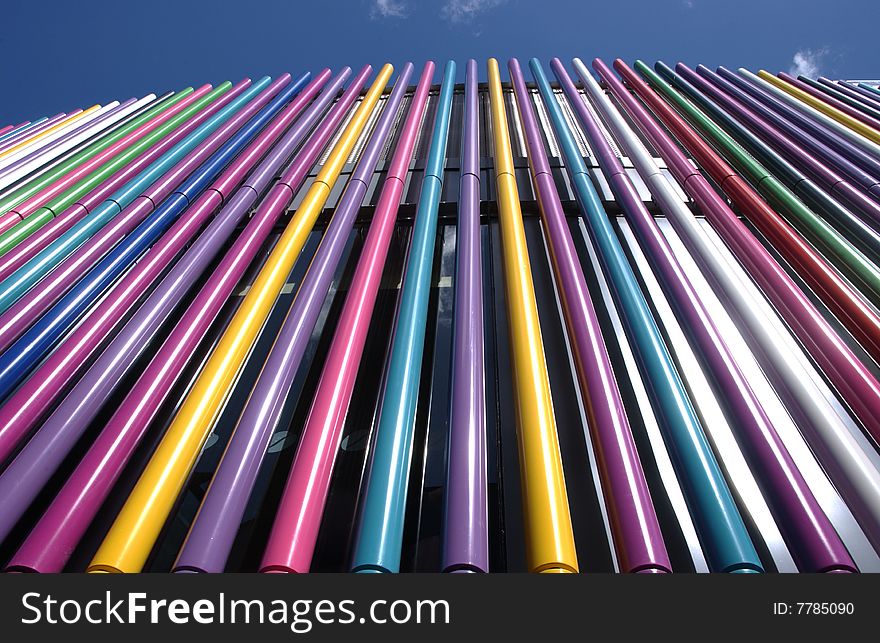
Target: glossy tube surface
722,532
808,532
841,117
132,194
784,186
29,197
852,472
636,531
69,514
550,543
212,535
379,537
129,541
295,530
852,378
46,333
860,318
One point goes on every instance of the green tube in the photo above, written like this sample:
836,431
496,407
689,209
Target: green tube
30,188
852,262
41,217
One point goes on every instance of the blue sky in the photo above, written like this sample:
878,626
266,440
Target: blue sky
55,56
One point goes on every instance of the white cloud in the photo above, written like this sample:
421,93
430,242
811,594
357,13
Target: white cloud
389,9
462,10
688,4
807,62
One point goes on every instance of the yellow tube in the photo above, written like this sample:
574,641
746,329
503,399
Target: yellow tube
829,110
131,538
64,122
549,536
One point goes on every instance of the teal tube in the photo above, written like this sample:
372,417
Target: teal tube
20,281
720,526
380,532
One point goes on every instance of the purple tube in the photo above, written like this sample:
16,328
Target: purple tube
56,534
213,532
794,150
830,100
808,532
635,528
857,155
466,521
62,140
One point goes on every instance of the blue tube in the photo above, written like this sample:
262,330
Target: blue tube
18,360
720,527
20,281
380,531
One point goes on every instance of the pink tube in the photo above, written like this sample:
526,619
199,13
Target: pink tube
292,541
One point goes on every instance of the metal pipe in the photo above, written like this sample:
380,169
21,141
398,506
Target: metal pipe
125,549
295,530
39,265
466,515
68,516
379,535
213,532
635,529
779,356
721,529
860,318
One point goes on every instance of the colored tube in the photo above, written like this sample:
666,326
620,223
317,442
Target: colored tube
814,114
34,160
45,136
31,134
797,146
851,471
63,158
845,93
20,281
295,531
816,90
868,97
66,519
549,537
856,314
830,195
769,173
822,142
44,335
869,88
20,319
27,238
213,532
379,534
722,532
848,374
807,530
841,117
854,146
636,531
16,129
466,515
125,549
25,200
